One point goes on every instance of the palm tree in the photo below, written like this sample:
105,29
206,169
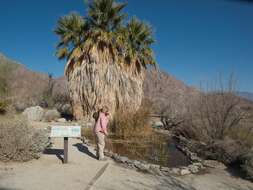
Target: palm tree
106,57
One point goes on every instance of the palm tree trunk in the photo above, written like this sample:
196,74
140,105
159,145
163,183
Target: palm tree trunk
98,80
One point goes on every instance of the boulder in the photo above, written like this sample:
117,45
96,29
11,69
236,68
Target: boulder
175,171
136,162
158,124
155,169
199,165
185,171
61,120
35,113
123,159
193,168
142,167
51,115
213,164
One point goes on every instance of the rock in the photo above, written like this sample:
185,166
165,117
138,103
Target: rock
34,113
193,169
165,169
142,167
136,162
51,115
116,157
195,158
158,124
175,171
120,159
155,169
61,120
123,159
199,165
185,171
213,164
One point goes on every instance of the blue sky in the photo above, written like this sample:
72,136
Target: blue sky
195,39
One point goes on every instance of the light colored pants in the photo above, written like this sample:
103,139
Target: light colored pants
100,141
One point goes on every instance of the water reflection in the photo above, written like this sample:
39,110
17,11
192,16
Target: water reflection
158,149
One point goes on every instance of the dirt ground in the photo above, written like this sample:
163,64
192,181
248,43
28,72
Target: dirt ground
84,172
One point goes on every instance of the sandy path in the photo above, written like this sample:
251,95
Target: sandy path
49,173
83,172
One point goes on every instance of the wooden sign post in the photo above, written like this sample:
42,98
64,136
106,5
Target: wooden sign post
65,132
66,144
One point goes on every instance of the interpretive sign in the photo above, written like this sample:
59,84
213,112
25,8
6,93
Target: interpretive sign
65,131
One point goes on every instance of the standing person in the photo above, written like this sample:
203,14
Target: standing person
100,131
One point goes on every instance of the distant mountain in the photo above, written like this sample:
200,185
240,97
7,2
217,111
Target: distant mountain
26,86
247,95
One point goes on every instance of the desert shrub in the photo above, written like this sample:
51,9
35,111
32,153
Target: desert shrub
127,125
226,150
246,163
213,115
243,134
19,141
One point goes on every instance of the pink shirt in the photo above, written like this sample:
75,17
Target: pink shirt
101,124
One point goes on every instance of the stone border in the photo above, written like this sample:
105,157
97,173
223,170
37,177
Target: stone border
195,167
154,168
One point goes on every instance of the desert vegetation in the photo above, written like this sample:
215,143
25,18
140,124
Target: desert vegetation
6,69
218,125
132,125
109,52
215,114
19,141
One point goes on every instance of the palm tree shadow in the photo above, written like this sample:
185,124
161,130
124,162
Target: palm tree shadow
58,152
84,149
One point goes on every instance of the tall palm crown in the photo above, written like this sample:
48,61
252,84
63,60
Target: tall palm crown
105,26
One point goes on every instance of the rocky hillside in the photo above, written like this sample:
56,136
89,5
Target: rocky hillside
166,91
159,87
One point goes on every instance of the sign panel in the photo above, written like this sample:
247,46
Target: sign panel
65,131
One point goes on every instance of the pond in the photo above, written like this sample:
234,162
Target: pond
158,149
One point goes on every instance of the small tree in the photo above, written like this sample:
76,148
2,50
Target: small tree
215,113
47,95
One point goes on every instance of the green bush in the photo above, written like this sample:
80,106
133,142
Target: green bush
19,141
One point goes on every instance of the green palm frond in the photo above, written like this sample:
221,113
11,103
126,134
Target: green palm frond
106,14
104,27
140,39
71,30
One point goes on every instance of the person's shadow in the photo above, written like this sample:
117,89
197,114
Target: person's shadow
58,152
84,149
